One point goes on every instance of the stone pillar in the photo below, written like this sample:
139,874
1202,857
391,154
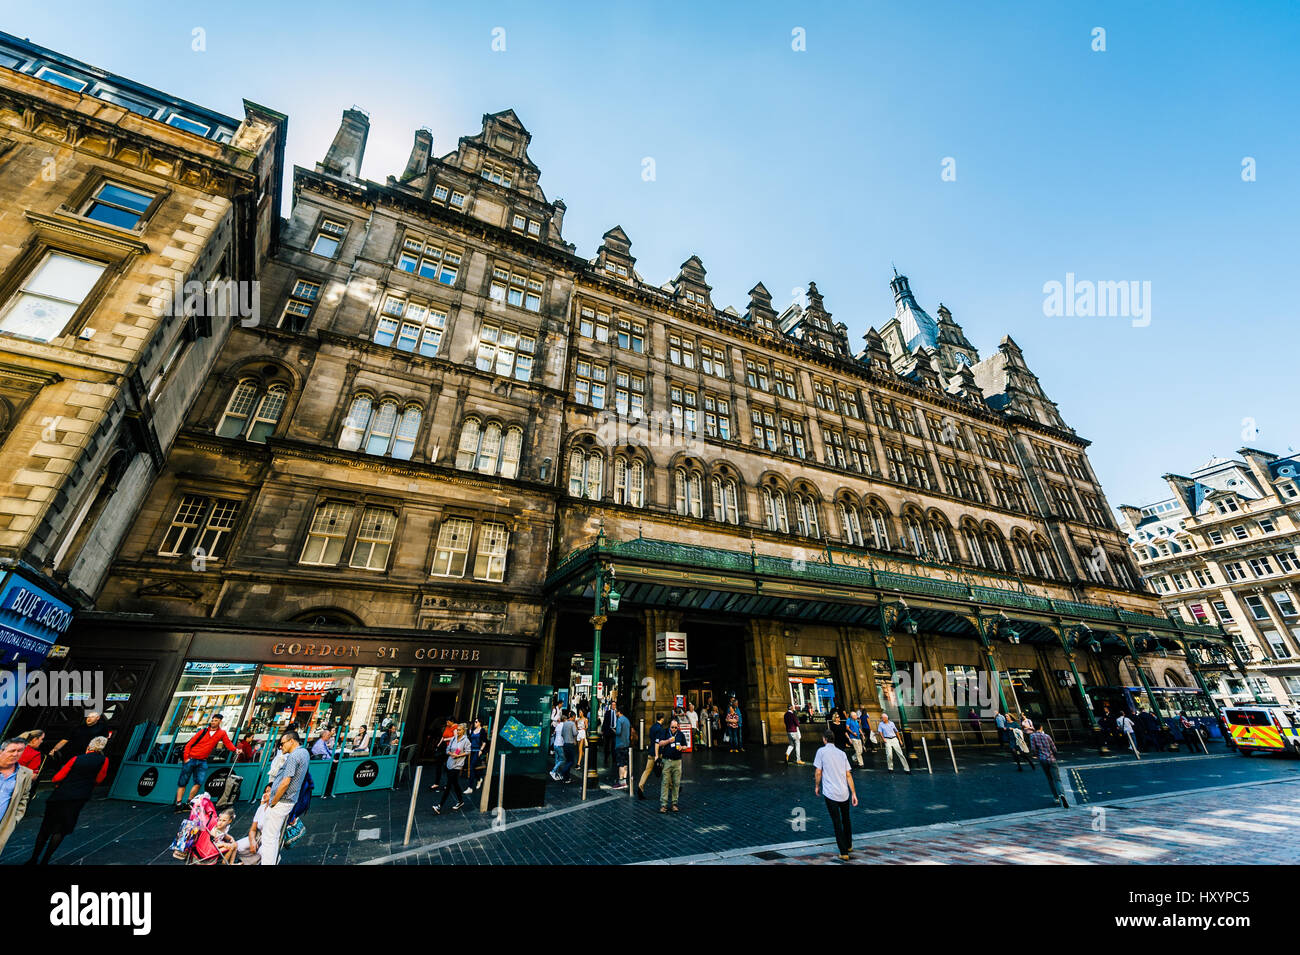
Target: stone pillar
766,698
659,693
856,670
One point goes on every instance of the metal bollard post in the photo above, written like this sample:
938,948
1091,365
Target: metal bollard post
501,787
926,747
586,755
1200,738
953,755
641,733
763,723
410,813
1133,744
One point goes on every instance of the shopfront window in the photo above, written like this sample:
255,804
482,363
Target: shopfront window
887,697
812,684
1026,691
377,711
205,690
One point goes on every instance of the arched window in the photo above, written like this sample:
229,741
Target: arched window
380,430
774,511
726,504
511,451
688,492
629,482
383,423
467,451
586,474
489,450
851,524
993,551
974,551
805,513
915,535
939,540
1023,557
1043,558
252,413
879,528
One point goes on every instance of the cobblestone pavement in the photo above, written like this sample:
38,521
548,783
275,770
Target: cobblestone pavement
1242,824
731,804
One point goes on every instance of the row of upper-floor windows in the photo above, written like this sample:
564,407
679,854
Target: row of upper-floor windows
203,528
800,512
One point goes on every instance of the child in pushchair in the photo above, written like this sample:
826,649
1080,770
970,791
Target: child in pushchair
204,837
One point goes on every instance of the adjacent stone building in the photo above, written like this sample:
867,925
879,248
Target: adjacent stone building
1224,549
113,196
451,432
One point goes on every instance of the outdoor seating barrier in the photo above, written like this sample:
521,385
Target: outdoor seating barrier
926,747
953,755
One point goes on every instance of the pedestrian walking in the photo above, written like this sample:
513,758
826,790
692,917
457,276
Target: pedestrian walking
580,725
16,784
195,760
31,757
715,726
457,757
975,725
607,716
889,735
1018,745
286,786
478,742
440,753
833,780
1189,732
840,731
793,734
1044,750
669,749
854,729
78,736
657,732
621,734
73,786
1026,724
1124,726
567,750
1000,721
736,727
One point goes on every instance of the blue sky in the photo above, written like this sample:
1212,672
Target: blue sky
825,164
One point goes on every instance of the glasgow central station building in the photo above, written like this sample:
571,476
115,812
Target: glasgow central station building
451,447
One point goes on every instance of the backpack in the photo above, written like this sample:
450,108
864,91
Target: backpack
304,796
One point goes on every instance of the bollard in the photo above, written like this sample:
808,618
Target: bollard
410,813
925,746
631,773
953,755
586,755
764,725
1201,739
1133,744
501,786
641,732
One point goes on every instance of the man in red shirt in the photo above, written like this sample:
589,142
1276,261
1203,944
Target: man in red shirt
195,756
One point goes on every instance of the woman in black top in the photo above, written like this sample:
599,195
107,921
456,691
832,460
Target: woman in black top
74,784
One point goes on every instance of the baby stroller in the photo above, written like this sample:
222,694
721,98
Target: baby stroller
194,844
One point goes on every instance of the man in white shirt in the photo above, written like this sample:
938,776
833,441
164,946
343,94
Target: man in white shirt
834,779
889,735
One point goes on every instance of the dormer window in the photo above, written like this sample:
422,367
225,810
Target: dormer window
440,193
1227,506
496,174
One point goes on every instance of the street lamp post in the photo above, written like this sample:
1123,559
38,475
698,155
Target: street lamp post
606,598
1071,639
901,616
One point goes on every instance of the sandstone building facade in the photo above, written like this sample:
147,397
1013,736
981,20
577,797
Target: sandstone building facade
1224,549
114,196
452,432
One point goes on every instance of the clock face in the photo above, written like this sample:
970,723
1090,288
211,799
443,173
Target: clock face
963,358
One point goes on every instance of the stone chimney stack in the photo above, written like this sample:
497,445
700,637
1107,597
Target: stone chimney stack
420,151
349,146
557,218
